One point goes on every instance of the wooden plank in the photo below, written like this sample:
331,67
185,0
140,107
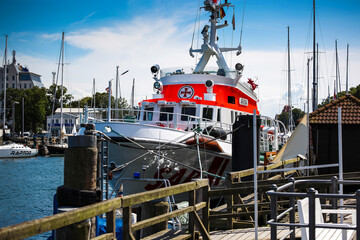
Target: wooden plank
111,223
169,234
37,226
127,228
106,236
163,217
201,227
157,193
249,172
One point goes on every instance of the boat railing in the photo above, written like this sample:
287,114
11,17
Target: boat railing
177,121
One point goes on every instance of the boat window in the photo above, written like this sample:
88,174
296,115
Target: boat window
232,116
166,113
219,115
148,114
207,113
188,111
231,99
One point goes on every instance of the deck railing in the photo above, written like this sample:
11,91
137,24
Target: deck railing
38,226
291,195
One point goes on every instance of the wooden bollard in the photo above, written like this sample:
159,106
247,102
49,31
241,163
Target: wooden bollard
79,189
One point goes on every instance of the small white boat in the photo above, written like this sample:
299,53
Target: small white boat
14,150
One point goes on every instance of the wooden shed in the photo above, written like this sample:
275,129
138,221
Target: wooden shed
324,129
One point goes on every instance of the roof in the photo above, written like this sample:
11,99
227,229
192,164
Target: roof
350,112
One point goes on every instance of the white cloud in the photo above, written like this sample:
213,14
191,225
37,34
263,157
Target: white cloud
138,44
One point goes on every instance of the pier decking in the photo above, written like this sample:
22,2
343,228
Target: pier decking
249,234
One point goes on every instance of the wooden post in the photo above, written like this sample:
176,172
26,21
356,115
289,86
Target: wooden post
192,200
205,210
150,210
229,201
79,189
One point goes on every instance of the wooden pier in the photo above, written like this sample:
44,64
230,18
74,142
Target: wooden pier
232,220
249,234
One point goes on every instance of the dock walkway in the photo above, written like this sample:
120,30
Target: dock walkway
249,233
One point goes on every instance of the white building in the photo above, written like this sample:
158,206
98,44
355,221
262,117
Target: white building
18,76
72,118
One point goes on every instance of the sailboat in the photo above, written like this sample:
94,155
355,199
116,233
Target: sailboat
59,148
12,150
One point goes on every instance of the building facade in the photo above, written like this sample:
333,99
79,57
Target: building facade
18,76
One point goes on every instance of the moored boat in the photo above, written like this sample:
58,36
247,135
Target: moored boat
184,131
14,150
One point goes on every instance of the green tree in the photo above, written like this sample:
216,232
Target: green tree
285,114
50,94
355,91
35,105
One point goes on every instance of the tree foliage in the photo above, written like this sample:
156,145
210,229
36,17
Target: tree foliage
285,115
355,91
38,104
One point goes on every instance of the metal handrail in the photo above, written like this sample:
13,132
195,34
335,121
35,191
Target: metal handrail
277,192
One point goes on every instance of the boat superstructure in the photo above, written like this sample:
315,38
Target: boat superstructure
184,131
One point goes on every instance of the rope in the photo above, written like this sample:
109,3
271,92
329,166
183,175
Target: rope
167,149
242,22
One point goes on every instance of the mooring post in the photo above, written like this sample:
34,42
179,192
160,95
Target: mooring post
79,189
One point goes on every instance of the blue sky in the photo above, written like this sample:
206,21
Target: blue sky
136,34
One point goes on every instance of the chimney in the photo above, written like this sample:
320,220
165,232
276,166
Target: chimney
14,59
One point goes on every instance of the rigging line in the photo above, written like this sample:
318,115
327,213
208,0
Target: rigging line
198,33
56,83
154,153
232,38
168,149
193,35
242,22
323,44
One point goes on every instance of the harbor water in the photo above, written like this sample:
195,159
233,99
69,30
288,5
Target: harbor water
27,189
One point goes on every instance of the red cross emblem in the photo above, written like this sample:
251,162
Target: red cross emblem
186,92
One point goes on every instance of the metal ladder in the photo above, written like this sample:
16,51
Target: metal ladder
104,168
176,224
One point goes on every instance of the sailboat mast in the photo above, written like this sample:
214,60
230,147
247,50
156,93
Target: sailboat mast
336,69
5,73
116,88
94,93
317,77
62,84
347,69
132,94
289,83
314,63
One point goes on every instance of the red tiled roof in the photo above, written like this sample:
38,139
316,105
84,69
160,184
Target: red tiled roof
350,112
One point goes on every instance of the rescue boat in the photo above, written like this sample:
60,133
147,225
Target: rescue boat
184,131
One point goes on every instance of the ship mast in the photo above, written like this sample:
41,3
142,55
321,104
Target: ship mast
5,72
314,105
209,47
